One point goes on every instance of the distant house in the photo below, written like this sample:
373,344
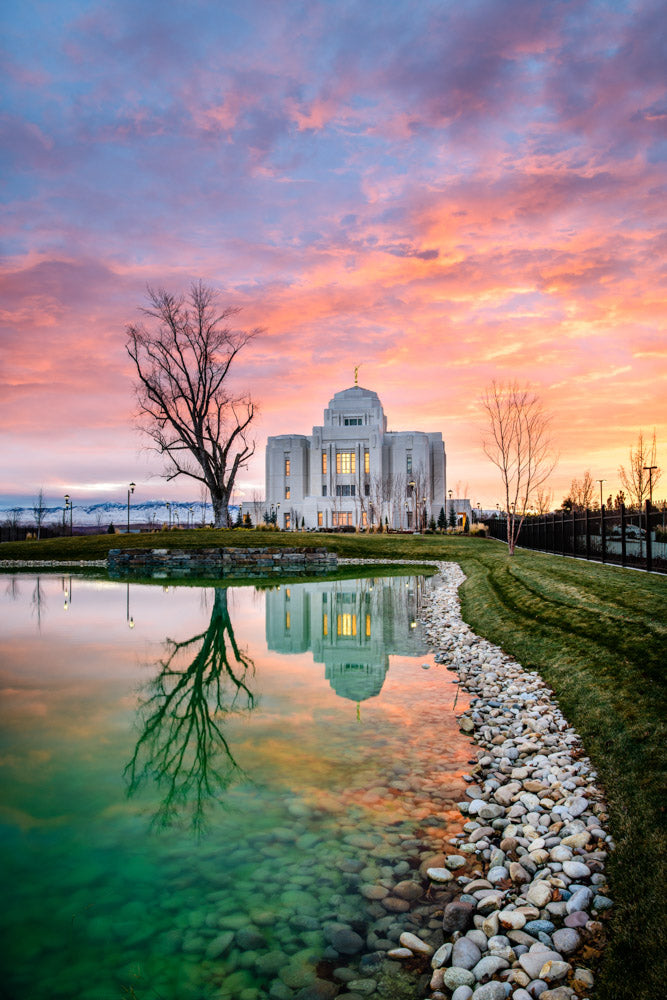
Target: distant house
352,471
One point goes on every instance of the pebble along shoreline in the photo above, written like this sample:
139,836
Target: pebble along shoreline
527,870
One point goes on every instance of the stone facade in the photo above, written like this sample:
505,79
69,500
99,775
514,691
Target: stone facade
352,471
220,561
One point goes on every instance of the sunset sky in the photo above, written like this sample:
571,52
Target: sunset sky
440,192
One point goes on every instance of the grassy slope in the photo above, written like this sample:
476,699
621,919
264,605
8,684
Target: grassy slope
598,636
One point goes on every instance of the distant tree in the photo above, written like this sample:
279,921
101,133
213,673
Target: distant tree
519,444
544,500
619,499
39,511
431,524
238,523
636,479
582,491
452,515
185,404
247,520
111,530
442,520
13,520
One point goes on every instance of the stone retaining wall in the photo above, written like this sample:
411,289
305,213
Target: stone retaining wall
222,561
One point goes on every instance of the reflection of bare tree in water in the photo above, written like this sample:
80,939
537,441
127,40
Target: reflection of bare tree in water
201,681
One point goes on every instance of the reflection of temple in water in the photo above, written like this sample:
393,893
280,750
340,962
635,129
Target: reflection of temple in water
351,626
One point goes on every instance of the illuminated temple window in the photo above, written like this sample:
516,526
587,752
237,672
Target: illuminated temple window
287,493
347,625
367,461
288,620
287,466
346,463
324,463
368,626
325,624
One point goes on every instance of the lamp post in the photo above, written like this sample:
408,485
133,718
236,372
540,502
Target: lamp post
649,469
65,512
600,481
241,512
191,517
406,513
277,515
130,491
479,513
423,513
128,617
168,506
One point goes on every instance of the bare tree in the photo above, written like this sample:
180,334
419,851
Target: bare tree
185,405
582,491
39,511
544,500
518,443
637,480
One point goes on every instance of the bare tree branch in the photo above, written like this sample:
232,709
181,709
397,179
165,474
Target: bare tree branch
184,405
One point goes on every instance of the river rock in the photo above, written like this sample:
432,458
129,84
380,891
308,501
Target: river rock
345,940
439,874
539,893
489,966
465,953
415,944
458,916
490,991
458,977
552,971
533,961
576,869
566,940
462,993
442,955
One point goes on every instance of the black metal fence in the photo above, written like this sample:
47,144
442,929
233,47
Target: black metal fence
626,536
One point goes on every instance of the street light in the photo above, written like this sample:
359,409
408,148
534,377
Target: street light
277,515
168,506
129,494
649,469
65,512
600,481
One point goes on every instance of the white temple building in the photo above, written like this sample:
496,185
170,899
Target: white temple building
352,471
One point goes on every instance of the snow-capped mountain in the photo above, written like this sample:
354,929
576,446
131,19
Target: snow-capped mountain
148,512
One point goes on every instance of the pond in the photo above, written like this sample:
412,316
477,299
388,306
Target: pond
210,792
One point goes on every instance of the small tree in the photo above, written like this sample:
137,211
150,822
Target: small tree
39,511
431,524
518,443
452,515
582,491
442,520
638,480
185,405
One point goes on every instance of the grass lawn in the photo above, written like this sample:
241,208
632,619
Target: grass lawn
597,635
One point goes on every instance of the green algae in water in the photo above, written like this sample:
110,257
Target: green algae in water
191,804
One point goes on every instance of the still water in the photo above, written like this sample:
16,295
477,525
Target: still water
196,782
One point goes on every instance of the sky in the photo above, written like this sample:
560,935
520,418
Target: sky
442,193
